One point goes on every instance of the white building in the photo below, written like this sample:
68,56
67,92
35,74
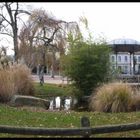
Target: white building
125,56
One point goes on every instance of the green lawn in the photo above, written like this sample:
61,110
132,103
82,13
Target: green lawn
50,90
64,119
37,117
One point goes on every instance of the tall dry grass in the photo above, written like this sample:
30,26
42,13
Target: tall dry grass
135,101
112,97
15,80
22,79
6,85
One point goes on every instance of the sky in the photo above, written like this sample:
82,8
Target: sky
112,20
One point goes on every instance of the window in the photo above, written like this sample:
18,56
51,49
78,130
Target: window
125,69
113,67
119,69
138,58
125,58
119,58
112,58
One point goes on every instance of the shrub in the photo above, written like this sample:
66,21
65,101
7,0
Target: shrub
87,65
15,80
22,80
111,97
135,102
6,85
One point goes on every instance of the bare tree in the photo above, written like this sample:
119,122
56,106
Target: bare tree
3,58
45,33
11,21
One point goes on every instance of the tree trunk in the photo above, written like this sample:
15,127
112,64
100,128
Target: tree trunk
44,56
15,45
53,62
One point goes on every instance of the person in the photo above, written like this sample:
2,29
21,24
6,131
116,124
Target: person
41,74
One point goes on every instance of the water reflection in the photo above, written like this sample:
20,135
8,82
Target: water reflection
56,103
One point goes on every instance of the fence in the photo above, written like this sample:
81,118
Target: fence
84,131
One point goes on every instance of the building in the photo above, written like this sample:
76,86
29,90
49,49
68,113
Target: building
125,56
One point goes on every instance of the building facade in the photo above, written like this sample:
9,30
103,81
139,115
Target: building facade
125,57
124,63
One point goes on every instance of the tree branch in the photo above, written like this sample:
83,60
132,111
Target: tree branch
10,12
24,11
5,19
6,34
20,19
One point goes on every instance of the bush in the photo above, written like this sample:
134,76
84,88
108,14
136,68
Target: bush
22,79
112,97
135,102
6,85
87,65
15,80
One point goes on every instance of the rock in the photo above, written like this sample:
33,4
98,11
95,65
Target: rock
20,100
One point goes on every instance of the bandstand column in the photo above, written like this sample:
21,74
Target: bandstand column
130,65
116,60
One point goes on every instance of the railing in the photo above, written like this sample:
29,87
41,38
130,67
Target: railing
129,78
68,80
84,131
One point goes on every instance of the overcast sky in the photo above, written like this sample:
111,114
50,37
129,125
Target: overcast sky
113,20
109,19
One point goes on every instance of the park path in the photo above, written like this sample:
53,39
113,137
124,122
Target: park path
60,80
48,79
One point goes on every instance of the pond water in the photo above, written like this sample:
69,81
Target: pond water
67,103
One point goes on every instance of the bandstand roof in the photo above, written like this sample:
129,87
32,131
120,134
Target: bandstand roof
125,45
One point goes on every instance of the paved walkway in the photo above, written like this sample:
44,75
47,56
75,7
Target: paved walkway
47,79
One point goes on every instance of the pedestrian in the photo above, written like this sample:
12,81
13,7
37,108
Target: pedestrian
41,74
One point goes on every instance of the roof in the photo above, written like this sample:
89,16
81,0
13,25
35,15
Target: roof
124,41
125,45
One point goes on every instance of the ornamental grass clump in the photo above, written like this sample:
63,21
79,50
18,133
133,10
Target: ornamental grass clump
15,80
135,102
22,79
6,85
111,97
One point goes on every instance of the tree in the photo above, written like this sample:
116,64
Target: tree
3,58
44,35
87,65
12,9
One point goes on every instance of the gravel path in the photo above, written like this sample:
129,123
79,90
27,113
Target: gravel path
47,79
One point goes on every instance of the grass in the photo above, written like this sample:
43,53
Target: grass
112,97
64,119
37,117
51,90
15,79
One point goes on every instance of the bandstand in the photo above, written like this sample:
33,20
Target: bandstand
126,55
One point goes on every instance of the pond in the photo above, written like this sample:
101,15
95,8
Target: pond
59,103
